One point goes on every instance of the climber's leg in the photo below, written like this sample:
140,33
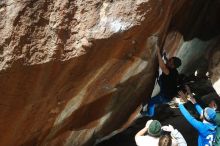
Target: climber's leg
159,99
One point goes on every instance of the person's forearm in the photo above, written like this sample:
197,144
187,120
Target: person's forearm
159,57
198,108
195,123
142,132
161,62
165,57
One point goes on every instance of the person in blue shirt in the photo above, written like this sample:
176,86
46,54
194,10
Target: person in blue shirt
206,128
212,104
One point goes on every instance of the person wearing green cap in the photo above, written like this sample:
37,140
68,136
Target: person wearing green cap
151,135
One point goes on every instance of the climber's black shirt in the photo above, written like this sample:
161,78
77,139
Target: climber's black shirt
168,83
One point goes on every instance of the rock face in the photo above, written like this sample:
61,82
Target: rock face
214,67
72,72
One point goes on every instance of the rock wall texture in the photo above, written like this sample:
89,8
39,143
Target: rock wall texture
72,72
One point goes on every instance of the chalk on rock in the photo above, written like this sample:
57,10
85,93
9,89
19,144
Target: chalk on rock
152,41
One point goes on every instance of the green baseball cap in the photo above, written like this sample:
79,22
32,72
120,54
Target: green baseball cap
154,128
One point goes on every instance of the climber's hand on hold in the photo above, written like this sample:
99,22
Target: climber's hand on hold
154,40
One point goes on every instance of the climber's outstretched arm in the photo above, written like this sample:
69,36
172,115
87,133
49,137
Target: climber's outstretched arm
161,62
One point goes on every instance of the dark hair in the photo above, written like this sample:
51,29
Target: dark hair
177,62
165,140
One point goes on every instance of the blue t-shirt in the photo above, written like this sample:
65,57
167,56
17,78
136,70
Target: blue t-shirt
206,130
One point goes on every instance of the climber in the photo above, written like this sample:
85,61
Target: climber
168,82
155,135
212,104
206,128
